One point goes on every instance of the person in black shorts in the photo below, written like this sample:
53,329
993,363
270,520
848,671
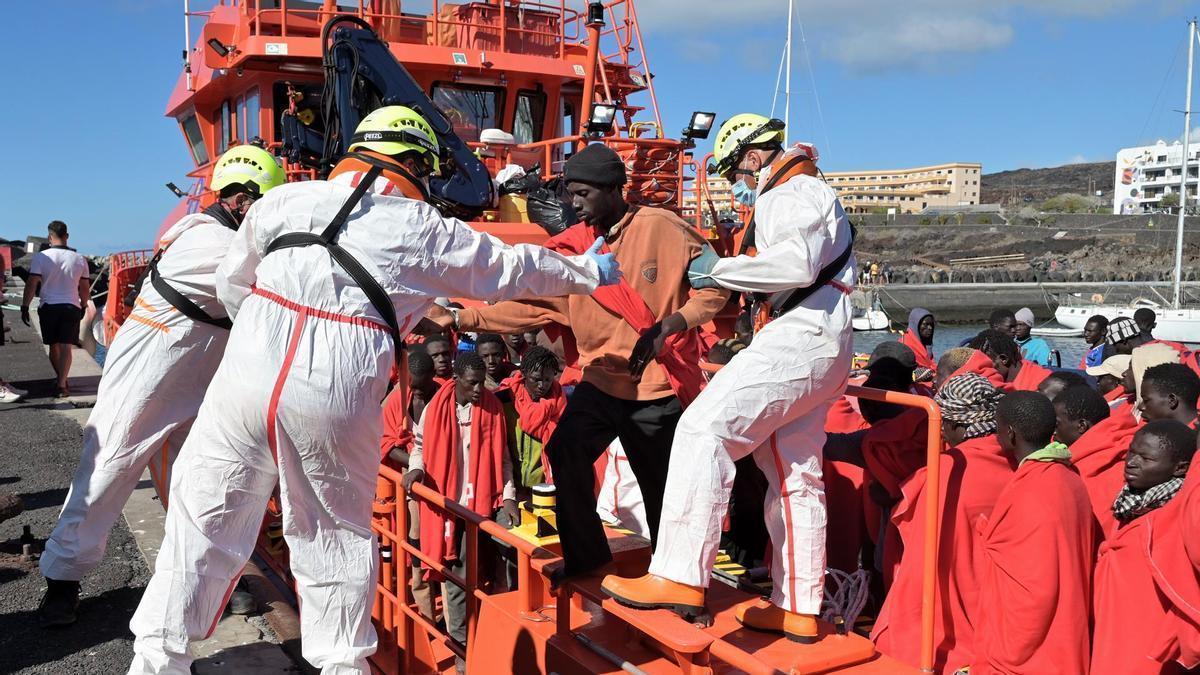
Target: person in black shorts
60,276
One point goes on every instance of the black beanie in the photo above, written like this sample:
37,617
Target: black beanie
596,164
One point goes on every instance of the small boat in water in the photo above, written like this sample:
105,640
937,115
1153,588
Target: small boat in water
1057,331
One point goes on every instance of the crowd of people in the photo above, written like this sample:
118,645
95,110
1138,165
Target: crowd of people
275,322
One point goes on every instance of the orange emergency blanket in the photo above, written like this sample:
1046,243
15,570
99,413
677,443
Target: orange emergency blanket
1037,549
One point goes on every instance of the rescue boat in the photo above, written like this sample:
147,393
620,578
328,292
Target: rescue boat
506,83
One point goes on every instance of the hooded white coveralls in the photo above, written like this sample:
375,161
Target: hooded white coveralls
770,400
296,401
155,374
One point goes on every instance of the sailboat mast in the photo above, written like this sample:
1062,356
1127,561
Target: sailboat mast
787,87
1187,142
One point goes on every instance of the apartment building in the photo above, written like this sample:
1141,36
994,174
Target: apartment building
908,190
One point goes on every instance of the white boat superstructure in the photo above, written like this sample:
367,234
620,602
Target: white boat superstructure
1174,321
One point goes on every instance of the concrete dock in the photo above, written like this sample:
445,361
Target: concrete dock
39,453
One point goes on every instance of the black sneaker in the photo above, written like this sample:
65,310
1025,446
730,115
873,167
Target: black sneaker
242,603
59,604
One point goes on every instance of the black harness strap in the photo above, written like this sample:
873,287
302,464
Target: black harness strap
181,302
375,293
827,274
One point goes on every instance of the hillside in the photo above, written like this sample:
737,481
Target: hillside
1038,185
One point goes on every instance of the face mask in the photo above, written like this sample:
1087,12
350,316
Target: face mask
742,193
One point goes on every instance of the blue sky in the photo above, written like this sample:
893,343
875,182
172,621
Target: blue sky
1009,83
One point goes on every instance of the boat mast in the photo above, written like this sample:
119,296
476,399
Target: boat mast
1187,142
787,87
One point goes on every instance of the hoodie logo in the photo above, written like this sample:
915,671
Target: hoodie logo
650,271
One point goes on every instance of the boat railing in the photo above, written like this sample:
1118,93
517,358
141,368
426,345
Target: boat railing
541,28
407,638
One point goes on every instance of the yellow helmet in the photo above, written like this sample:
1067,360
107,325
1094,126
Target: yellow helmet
250,166
395,129
740,132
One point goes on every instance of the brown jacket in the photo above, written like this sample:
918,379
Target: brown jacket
654,247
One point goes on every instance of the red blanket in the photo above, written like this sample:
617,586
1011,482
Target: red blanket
844,417
540,418
971,478
1027,378
397,427
1174,551
442,454
680,356
924,353
1036,554
1129,612
1099,455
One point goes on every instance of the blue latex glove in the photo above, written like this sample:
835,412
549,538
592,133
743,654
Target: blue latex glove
610,270
700,269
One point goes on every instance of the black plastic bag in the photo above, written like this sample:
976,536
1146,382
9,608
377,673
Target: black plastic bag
550,207
523,184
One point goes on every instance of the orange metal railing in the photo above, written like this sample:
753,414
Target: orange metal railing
398,619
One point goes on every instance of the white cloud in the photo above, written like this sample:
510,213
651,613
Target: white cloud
916,41
873,35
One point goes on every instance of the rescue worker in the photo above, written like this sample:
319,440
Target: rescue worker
296,399
771,401
154,377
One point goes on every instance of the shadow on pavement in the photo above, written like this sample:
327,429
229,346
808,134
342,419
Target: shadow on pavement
43,499
24,643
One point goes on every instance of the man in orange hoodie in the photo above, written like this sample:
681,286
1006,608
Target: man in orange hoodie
637,344
1036,553
1098,438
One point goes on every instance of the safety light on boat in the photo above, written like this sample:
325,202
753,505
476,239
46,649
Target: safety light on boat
600,122
219,47
595,14
700,124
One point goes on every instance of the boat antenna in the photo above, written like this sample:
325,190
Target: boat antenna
187,44
1183,173
787,87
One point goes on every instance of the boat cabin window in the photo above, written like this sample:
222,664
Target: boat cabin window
226,128
530,115
248,113
470,108
191,130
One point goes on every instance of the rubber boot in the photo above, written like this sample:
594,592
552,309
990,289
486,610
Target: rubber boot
758,614
59,604
653,592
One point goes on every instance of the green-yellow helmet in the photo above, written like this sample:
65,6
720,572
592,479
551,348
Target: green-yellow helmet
740,132
395,129
250,166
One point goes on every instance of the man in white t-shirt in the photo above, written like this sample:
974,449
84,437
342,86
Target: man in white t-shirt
62,277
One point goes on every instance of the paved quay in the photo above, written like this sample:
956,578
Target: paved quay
40,442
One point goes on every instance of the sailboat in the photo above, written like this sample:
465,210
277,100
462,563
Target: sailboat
1174,321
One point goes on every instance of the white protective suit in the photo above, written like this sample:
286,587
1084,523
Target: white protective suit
296,401
620,500
770,400
155,374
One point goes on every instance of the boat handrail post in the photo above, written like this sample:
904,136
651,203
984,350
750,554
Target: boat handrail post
933,454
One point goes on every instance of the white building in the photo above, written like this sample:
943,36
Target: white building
1148,173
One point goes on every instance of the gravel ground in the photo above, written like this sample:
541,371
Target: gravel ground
39,450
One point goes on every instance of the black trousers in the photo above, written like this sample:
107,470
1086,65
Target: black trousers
589,424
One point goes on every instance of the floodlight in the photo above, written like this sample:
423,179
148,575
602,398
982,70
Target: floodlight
219,47
700,124
600,122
